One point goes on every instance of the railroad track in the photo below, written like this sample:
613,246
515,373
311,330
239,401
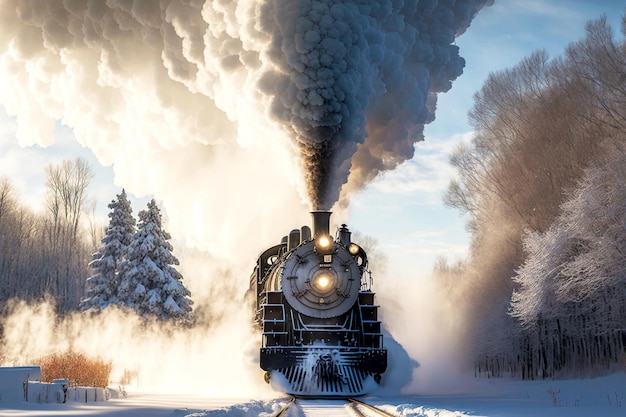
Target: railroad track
355,404
283,411
331,408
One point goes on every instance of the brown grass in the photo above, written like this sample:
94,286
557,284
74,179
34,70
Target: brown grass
76,367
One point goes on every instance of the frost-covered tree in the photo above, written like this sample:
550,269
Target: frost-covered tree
102,287
538,128
573,283
150,284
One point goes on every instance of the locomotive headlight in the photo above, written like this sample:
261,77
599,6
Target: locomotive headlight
324,242
354,249
322,282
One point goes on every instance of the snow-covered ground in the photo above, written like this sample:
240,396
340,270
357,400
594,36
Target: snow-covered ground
598,397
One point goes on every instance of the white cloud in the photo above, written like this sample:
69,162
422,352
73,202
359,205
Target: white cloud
428,172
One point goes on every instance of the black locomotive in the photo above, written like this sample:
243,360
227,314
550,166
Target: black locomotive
321,334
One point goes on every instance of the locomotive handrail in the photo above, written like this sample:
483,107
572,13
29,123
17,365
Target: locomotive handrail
367,282
325,327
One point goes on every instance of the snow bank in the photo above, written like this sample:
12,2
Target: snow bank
57,392
44,392
605,396
249,409
22,383
12,381
87,394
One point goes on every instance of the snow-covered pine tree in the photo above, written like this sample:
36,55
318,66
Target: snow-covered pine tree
103,285
150,284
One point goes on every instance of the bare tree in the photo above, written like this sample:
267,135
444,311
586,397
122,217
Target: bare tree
66,199
7,235
538,127
600,62
46,255
7,200
17,237
67,193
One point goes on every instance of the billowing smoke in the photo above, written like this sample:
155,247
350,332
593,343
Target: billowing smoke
341,78
351,73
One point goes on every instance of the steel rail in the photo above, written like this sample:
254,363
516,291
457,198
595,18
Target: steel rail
354,403
283,411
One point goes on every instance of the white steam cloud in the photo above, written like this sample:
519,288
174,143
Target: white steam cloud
131,77
238,116
158,357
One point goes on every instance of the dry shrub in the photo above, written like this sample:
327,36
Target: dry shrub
76,367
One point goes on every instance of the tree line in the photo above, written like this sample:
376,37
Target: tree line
62,255
542,292
43,254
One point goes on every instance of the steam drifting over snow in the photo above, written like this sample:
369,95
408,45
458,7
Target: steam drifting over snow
158,357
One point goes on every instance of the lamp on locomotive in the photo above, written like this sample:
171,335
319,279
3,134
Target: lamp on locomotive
324,244
321,282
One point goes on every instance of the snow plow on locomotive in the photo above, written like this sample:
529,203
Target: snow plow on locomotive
320,330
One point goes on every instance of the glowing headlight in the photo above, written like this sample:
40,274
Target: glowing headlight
321,282
354,249
323,242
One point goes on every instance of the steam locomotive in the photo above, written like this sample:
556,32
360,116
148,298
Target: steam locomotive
315,308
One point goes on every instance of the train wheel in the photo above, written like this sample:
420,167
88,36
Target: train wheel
267,377
377,378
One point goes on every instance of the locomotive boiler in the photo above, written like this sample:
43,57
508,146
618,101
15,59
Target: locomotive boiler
320,330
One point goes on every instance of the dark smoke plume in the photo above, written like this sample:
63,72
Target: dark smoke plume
359,72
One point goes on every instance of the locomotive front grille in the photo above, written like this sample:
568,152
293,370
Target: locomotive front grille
304,382
325,370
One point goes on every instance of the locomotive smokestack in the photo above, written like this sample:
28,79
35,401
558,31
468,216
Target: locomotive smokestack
321,223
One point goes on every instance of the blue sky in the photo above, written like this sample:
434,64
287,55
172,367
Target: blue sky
403,208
